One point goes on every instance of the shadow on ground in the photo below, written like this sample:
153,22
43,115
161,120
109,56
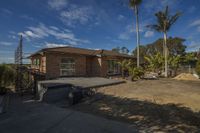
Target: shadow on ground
147,116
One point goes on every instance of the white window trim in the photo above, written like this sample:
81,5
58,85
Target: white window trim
68,69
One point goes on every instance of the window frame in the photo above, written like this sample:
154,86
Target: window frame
116,69
70,69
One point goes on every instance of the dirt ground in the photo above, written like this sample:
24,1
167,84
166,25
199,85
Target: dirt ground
163,105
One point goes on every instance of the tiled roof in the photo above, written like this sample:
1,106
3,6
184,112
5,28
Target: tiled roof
82,51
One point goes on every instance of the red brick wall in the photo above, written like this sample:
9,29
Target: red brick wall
84,65
104,64
42,60
53,64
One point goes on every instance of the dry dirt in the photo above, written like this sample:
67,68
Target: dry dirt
163,105
186,76
184,93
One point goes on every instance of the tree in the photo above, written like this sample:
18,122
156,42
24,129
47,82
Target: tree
122,50
174,62
190,60
134,5
198,68
125,64
136,72
155,62
175,47
117,49
164,23
6,76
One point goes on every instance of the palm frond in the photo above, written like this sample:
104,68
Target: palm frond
133,3
164,20
174,18
155,27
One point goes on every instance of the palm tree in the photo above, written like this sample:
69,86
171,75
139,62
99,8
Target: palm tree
134,4
155,61
164,23
124,66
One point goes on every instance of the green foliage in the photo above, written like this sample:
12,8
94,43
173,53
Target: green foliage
175,47
164,23
174,61
164,20
125,65
134,3
136,72
190,58
7,75
155,62
198,68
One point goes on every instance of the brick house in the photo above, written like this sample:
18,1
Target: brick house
70,61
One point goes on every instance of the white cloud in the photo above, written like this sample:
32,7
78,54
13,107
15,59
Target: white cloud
6,11
27,17
195,23
129,31
192,9
51,45
6,43
7,59
156,5
54,28
124,36
149,34
76,15
193,46
42,31
57,4
120,17
32,35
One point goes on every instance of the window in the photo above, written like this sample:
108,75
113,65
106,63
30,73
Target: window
34,62
113,67
37,62
67,67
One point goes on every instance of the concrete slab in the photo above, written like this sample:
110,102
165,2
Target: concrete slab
58,89
82,82
34,117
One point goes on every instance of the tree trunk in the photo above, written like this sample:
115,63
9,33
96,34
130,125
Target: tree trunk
165,48
138,36
163,67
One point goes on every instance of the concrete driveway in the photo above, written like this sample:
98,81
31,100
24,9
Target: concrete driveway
26,116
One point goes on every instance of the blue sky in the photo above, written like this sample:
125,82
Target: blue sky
94,24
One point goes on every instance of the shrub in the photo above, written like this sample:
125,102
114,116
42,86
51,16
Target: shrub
198,68
6,76
136,73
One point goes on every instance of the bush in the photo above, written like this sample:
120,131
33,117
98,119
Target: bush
136,73
6,76
198,68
